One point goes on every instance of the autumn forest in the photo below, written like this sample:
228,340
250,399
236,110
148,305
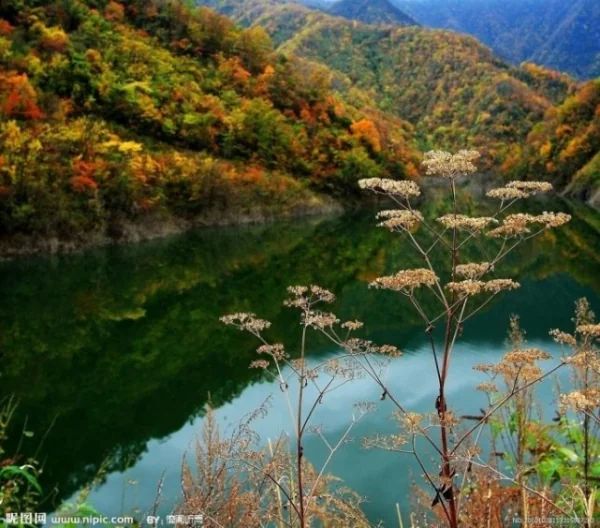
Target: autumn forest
118,112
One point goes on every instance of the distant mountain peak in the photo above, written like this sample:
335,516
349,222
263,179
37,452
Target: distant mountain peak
372,12
561,34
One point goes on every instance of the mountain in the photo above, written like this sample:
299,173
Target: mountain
371,12
163,115
454,91
451,88
566,144
112,113
561,34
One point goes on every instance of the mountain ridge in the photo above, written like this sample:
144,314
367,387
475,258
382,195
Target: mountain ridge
453,89
561,34
371,12
448,85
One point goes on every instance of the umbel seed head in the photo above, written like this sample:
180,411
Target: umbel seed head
447,165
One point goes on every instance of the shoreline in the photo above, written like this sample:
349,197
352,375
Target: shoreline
155,226
163,224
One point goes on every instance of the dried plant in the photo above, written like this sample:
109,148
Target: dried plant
459,289
235,482
294,375
551,465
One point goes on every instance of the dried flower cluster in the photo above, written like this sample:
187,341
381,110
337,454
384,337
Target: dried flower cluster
487,386
389,350
510,229
353,325
393,213
466,287
581,401
517,190
563,338
515,225
592,330
403,189
473,270
526,356
400,219
506,194
448,419
318,319
498,285
357,347
530,186
246,321
259,364
411,421
304,297
585,358
517,364
553,219
406,280
276,351
451,166
468,223
473,287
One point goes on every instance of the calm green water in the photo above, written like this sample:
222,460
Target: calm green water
112,353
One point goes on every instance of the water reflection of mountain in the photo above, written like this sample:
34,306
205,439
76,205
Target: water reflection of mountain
123,345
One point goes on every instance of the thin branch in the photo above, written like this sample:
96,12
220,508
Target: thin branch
502,402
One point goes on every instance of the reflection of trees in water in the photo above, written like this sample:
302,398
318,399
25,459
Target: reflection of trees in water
124,345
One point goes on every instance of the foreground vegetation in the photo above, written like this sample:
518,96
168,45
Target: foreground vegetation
527,470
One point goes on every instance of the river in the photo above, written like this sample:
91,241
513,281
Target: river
112,353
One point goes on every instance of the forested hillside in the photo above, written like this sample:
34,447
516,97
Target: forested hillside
115,112
453,89
566,144
371,12
111,111
561,34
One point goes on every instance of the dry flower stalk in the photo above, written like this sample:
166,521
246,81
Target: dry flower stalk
406,280
304,489
359,357
450,166
466,282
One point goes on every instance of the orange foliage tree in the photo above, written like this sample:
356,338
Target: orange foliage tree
366,131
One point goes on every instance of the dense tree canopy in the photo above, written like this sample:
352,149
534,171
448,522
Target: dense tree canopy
113,109
451,88
566,144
